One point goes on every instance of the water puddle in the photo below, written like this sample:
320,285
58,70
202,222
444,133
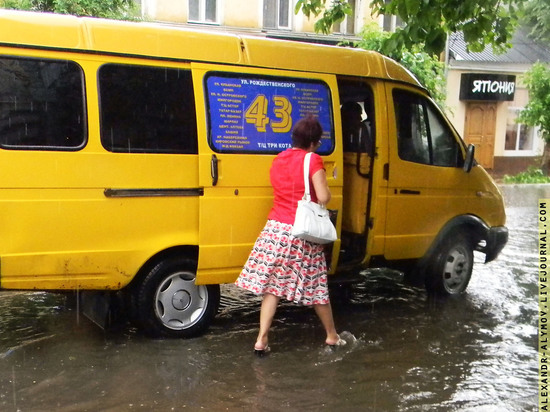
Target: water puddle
404,352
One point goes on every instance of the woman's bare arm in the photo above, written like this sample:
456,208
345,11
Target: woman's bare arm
320,184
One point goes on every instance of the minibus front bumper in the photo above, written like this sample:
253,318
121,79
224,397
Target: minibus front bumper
496,239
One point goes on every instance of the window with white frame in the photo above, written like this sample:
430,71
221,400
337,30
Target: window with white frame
520,137
347,26
278,14
203,11
390,22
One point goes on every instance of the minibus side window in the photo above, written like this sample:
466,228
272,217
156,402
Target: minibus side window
446,151
147,109
41,104
423,136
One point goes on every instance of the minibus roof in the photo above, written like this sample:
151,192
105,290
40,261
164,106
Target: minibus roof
172,42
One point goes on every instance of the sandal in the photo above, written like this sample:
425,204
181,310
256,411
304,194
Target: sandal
339,342
262,352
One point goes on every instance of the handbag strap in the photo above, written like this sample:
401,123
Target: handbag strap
307,159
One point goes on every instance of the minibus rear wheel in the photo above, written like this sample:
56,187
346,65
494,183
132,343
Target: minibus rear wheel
170,304
451,269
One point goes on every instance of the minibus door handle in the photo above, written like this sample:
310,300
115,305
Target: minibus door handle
409,192
214,170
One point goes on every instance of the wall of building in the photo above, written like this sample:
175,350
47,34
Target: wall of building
244,14
505,161
241,13
456,110
166,10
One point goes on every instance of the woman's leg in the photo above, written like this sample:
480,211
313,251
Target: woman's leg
325,315
267,312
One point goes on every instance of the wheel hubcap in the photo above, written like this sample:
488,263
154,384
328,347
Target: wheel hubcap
179,303
456,270
181,300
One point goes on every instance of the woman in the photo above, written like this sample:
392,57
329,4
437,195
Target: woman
281,265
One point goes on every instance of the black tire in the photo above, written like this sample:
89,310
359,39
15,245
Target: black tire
169,303
451,269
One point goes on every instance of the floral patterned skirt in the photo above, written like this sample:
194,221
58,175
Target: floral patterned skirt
286,266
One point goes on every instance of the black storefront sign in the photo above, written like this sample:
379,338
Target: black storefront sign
483,86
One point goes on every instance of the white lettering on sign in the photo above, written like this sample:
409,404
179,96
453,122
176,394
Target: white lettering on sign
488,86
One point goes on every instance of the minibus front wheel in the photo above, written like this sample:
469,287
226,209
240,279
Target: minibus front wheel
170,304
451,268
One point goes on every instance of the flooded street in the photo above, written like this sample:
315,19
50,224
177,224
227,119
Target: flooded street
476,352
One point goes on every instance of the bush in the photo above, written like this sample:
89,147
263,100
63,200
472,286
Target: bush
112,9
429,71
531,175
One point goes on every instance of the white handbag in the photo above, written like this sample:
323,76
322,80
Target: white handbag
312,220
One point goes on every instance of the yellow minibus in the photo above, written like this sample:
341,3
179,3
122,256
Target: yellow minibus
135,163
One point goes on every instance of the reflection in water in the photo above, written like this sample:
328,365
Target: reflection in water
476,352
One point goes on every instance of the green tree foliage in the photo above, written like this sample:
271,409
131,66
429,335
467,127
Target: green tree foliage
426,67
537,111
428,22
537,17
113,9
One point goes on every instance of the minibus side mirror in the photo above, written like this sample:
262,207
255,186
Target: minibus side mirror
470,158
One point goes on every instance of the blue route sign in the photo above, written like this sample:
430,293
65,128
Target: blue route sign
253,114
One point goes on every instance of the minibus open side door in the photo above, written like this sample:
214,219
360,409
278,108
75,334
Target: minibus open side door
240,106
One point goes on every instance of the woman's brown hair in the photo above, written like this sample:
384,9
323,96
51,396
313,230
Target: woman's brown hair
306,131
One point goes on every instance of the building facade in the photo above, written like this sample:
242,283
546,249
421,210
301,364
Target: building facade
263,16
485,94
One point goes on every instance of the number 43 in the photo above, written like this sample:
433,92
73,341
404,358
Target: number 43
256,114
